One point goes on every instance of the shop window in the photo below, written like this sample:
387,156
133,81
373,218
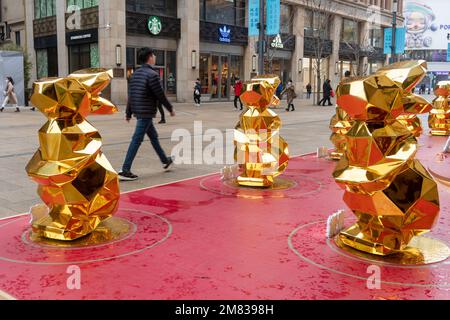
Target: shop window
349,31
82,4
286,19
44,68
44,8
83,56
231,12
153,7
376,37
171,72
18,40
316,25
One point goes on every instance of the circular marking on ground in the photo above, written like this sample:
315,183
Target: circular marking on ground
108,232
286,186
308,242
147,230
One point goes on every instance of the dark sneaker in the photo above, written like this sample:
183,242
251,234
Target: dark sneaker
127,176
162,121
168,164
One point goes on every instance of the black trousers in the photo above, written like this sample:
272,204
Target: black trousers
325,99
161,110
197,99
236,99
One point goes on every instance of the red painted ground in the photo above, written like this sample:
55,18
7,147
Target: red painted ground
191,243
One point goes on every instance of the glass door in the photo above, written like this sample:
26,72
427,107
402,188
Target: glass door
224,79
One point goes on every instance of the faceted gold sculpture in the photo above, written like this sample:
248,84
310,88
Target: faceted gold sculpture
392,194
261,152
76,181
439,119
339,125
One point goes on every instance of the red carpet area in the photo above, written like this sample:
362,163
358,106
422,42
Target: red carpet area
201,239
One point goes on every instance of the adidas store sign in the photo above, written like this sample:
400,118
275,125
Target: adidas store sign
277,43
225,34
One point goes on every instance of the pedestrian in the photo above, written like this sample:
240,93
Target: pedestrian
197,93
347,74
237,93
10,95
144,92
327,92
308,91
291,95
279,90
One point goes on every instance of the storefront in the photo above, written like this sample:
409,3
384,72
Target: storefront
46,56
279,56
160,33
221,59
83,49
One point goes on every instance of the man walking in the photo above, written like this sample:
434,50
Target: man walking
144,92
237,93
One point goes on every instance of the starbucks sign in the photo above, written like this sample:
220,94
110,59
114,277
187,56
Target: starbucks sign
154,25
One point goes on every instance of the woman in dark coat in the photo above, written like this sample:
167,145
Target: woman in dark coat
327,89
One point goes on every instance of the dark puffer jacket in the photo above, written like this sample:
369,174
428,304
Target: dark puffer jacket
144,91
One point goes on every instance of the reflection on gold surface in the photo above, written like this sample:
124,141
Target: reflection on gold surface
108,231
420,251
76,181
340,124
279,184
439,119
260,151
392,194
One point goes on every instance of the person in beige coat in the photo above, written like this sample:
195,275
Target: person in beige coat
10,95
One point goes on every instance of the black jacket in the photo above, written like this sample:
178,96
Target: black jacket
327,89
144,91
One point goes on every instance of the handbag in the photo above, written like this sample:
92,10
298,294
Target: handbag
332,93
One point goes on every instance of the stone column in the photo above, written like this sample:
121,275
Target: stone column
63,55
298,30
112,32
364,40
335,36
189,13
29,39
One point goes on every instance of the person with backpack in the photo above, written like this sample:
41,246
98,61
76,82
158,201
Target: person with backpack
144,92
197,92
10,95
237,92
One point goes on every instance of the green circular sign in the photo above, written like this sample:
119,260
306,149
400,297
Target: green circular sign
154,25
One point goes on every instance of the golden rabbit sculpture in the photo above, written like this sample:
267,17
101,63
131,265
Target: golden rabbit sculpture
390,192
76,181
261,152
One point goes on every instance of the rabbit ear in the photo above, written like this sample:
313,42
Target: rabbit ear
94,79
406,74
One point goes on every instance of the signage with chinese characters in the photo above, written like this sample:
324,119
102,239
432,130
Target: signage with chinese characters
448,52
399,40
253,15
225,34
277,43
154,25
273,17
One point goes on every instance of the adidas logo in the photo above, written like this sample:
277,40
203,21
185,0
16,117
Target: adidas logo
225,34
277,43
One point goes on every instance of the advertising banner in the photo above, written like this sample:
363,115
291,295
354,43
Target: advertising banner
427,24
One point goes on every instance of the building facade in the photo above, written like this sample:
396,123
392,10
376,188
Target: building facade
12,22
205,39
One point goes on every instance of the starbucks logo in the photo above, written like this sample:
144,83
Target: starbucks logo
154,25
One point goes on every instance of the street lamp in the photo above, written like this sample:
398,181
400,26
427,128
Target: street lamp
118,55
394,29
300,65
194,59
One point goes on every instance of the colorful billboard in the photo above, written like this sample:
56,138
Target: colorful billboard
427,24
